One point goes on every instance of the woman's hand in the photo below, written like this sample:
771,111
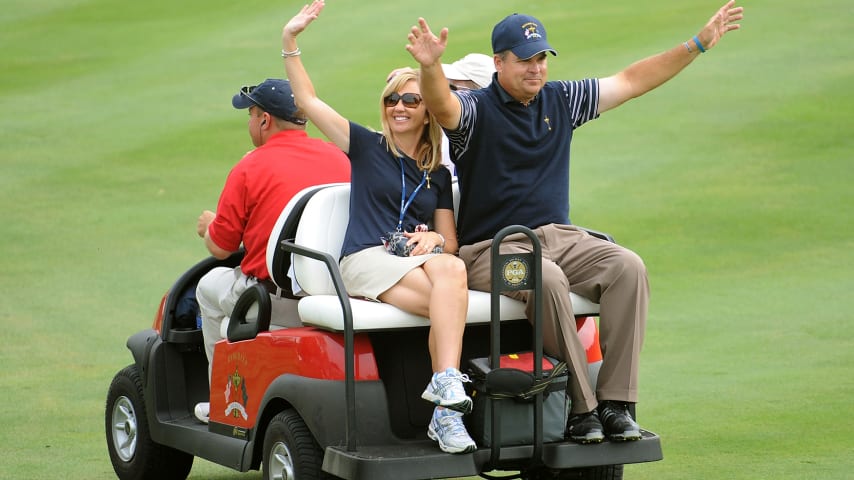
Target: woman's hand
296,25
424,242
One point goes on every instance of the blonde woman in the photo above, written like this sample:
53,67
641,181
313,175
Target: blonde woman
398,187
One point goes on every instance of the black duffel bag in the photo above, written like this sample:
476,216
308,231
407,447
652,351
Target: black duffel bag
510,389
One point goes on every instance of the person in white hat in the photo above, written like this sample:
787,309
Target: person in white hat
471,72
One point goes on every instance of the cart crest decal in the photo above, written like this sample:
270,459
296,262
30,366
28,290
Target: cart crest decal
237,407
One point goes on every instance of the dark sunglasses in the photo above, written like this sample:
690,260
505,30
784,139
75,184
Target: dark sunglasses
411,100
247,89
457,88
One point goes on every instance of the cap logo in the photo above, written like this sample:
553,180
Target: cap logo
530,31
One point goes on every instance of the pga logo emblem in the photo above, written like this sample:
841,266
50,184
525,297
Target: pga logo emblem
515,272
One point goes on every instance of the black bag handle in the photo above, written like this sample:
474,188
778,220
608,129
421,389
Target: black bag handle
519,384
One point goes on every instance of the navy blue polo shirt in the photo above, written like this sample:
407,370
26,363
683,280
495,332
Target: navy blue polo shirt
375,188
513,160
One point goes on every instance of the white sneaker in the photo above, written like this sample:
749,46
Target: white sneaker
447,428
446,390
203,412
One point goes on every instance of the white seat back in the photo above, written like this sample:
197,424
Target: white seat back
279,262
322,227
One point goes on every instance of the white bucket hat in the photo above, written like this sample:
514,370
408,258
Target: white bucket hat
475,67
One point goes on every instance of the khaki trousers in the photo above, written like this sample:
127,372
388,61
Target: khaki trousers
601,271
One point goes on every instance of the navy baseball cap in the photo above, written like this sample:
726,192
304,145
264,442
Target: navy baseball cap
523,35
274,96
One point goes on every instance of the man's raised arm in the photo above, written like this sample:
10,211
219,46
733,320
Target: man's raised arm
427,49
647,74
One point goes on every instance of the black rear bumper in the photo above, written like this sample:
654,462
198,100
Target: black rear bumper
422,459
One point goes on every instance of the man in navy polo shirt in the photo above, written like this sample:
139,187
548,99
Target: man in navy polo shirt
510,143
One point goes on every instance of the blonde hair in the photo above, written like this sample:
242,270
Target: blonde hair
428,156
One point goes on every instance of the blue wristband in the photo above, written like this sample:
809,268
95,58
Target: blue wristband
699,45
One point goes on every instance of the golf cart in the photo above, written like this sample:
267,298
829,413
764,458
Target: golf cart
316,385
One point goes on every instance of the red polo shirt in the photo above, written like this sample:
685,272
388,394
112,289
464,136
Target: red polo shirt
262,183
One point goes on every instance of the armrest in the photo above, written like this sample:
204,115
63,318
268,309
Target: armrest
598,234
241,329
332,267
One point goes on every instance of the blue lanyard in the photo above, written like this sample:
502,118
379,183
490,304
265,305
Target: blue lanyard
405,203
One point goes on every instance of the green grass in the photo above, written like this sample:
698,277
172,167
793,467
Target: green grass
732,182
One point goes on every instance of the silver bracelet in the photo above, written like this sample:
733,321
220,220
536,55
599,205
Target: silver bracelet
295,53
443,239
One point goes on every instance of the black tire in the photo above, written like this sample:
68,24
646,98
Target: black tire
290,451
606,472
134,455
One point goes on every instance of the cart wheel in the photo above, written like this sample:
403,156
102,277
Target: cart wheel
290,452
132,452
605,472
